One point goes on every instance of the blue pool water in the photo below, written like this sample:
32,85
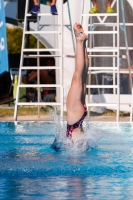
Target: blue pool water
31,169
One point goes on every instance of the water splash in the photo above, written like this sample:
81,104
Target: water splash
84,143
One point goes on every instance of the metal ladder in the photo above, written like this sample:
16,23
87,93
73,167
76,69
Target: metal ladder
114,53
58,30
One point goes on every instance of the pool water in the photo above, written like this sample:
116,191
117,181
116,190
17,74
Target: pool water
31,169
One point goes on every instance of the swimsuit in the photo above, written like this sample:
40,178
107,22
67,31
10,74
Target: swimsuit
78,124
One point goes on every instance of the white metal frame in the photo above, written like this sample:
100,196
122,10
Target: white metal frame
60,55
114,49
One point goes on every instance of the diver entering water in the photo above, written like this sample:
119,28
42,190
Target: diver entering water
76,108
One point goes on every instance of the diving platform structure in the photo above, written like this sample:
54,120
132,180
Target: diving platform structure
106,60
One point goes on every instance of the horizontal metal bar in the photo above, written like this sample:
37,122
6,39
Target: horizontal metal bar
40,56
38,104
38,85
39,14
100,14
42,67
106,56
104,68
125,72
109,72
68,56
53,24
93,56
126,69
110,24
40,50
124,48
42,32
101,86
111,48
100,104
102,71
108,68
102,49
101,32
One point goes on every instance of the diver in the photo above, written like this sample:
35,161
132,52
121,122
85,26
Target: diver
75,103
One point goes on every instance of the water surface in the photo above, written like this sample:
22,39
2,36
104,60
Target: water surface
31,169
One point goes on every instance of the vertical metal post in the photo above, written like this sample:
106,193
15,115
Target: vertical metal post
131,111
126,43
21,59
81,21
38,64
90,61
118,67
62,66
68,5
114,73
27,46
127,54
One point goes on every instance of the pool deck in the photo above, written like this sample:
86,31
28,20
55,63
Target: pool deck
48,118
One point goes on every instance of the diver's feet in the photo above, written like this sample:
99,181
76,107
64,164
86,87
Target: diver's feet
79,32
35,10
94,10
53,10
109,10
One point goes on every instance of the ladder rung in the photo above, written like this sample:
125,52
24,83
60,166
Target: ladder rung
110,24
98,24
125,104
42,32
102,49
102,68
110,72
73,56
40,56
53,25
101,32
101,104
42,67
126,71
107,69
40,50
103,71
124,48
100,14
38,104
101,86
40,14
108,56
38,85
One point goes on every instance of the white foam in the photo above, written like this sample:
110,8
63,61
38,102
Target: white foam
85,142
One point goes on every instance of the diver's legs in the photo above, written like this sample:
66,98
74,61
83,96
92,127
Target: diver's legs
84,76
75,108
